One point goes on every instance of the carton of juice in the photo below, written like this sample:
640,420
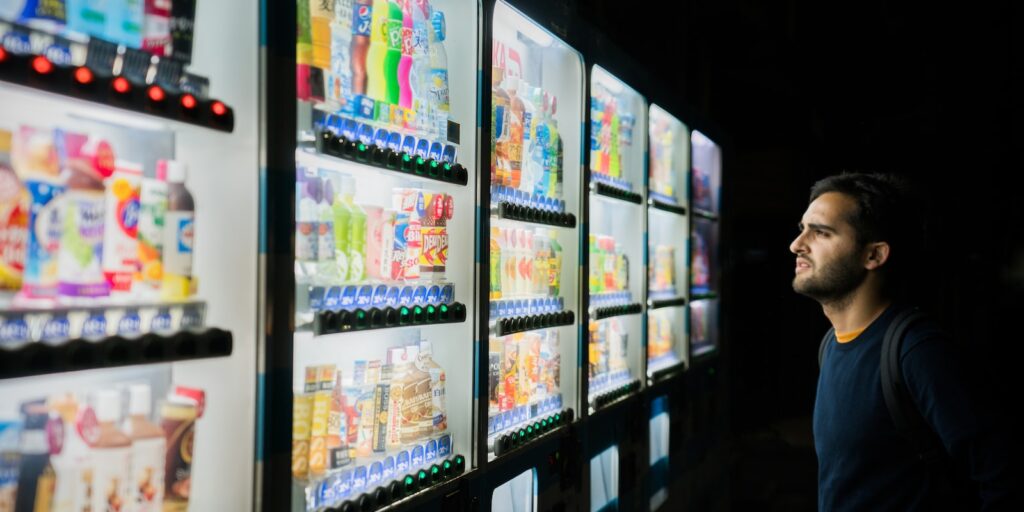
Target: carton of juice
34,158
120,228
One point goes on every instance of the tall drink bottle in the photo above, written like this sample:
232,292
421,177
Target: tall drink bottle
419,75
405,62
439,75
361,28
394,52
339,90
377,87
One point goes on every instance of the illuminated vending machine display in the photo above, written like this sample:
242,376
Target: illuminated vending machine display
668,222
706,185
532,301
128,250
615,239
384,238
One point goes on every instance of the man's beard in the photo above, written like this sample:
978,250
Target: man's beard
832,284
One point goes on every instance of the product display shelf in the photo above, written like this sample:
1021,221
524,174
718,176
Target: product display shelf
417,166
666,206
666,302
38,358
705,214
611,191
87,74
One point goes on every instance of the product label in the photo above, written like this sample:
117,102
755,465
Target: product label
417,456
178,243
364,296
359,479
161,321
130,323
111,479
402,462
376,473
148,473
95,326
120,246
430,452
306,245
361,18
14,330
57,328
40,277
81,250
444,446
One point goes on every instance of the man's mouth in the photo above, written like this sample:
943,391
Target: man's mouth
802,264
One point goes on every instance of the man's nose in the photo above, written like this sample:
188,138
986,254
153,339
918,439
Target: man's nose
797,246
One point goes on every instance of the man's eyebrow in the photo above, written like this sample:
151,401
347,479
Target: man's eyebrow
822,227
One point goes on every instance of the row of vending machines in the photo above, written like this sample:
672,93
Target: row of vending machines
395,283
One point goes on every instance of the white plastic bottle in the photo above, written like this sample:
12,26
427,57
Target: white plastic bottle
111,457
152,210
149,450
438,85
179,235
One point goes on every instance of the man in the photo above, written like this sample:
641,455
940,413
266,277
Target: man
855,238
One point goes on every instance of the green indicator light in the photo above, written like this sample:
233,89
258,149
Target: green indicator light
447,464
529,430
419,160
430,310
444,308
406,157
409,480
435,470
404,311
361,147
422,475
417,310
433,163
447,166
459,459
361,314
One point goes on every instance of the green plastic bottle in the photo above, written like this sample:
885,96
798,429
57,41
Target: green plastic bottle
342,218
356,238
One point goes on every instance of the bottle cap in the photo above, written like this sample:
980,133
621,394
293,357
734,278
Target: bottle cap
176,171
440,31
108,405
161,170
139,400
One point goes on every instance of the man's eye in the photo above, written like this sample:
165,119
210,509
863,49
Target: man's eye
821,233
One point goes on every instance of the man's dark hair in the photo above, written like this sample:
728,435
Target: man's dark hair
887,211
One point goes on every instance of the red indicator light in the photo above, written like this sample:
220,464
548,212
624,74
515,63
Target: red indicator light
188,101
42,65
122,85
218,108
3,54
156,94
83,75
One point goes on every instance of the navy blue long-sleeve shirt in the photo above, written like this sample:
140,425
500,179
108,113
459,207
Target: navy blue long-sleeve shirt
864,463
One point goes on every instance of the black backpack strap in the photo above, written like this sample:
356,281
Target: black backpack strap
824,342
904,412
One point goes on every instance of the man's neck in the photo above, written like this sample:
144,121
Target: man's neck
857,310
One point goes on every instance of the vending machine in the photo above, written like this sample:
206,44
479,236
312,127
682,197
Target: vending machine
706,179
616,224
383,236
531,316
668,222
615,291
128,255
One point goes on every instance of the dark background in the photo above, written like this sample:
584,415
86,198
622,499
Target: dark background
795,91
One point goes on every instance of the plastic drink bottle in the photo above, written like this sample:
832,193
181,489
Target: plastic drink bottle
179,235
79,269
339,79
120,231
342,218
13,219
327,268
34,159
515,130
499,129
362,24
152,210
405,62
419,75
439,75
356,241
377,87
149,450
111,457
394,52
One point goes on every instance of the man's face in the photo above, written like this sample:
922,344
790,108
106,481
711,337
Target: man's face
828,257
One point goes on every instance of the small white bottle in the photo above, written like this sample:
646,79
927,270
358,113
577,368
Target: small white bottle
149,449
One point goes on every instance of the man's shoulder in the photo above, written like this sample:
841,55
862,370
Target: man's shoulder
923,331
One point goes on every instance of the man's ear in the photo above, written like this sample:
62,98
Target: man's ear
875,255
